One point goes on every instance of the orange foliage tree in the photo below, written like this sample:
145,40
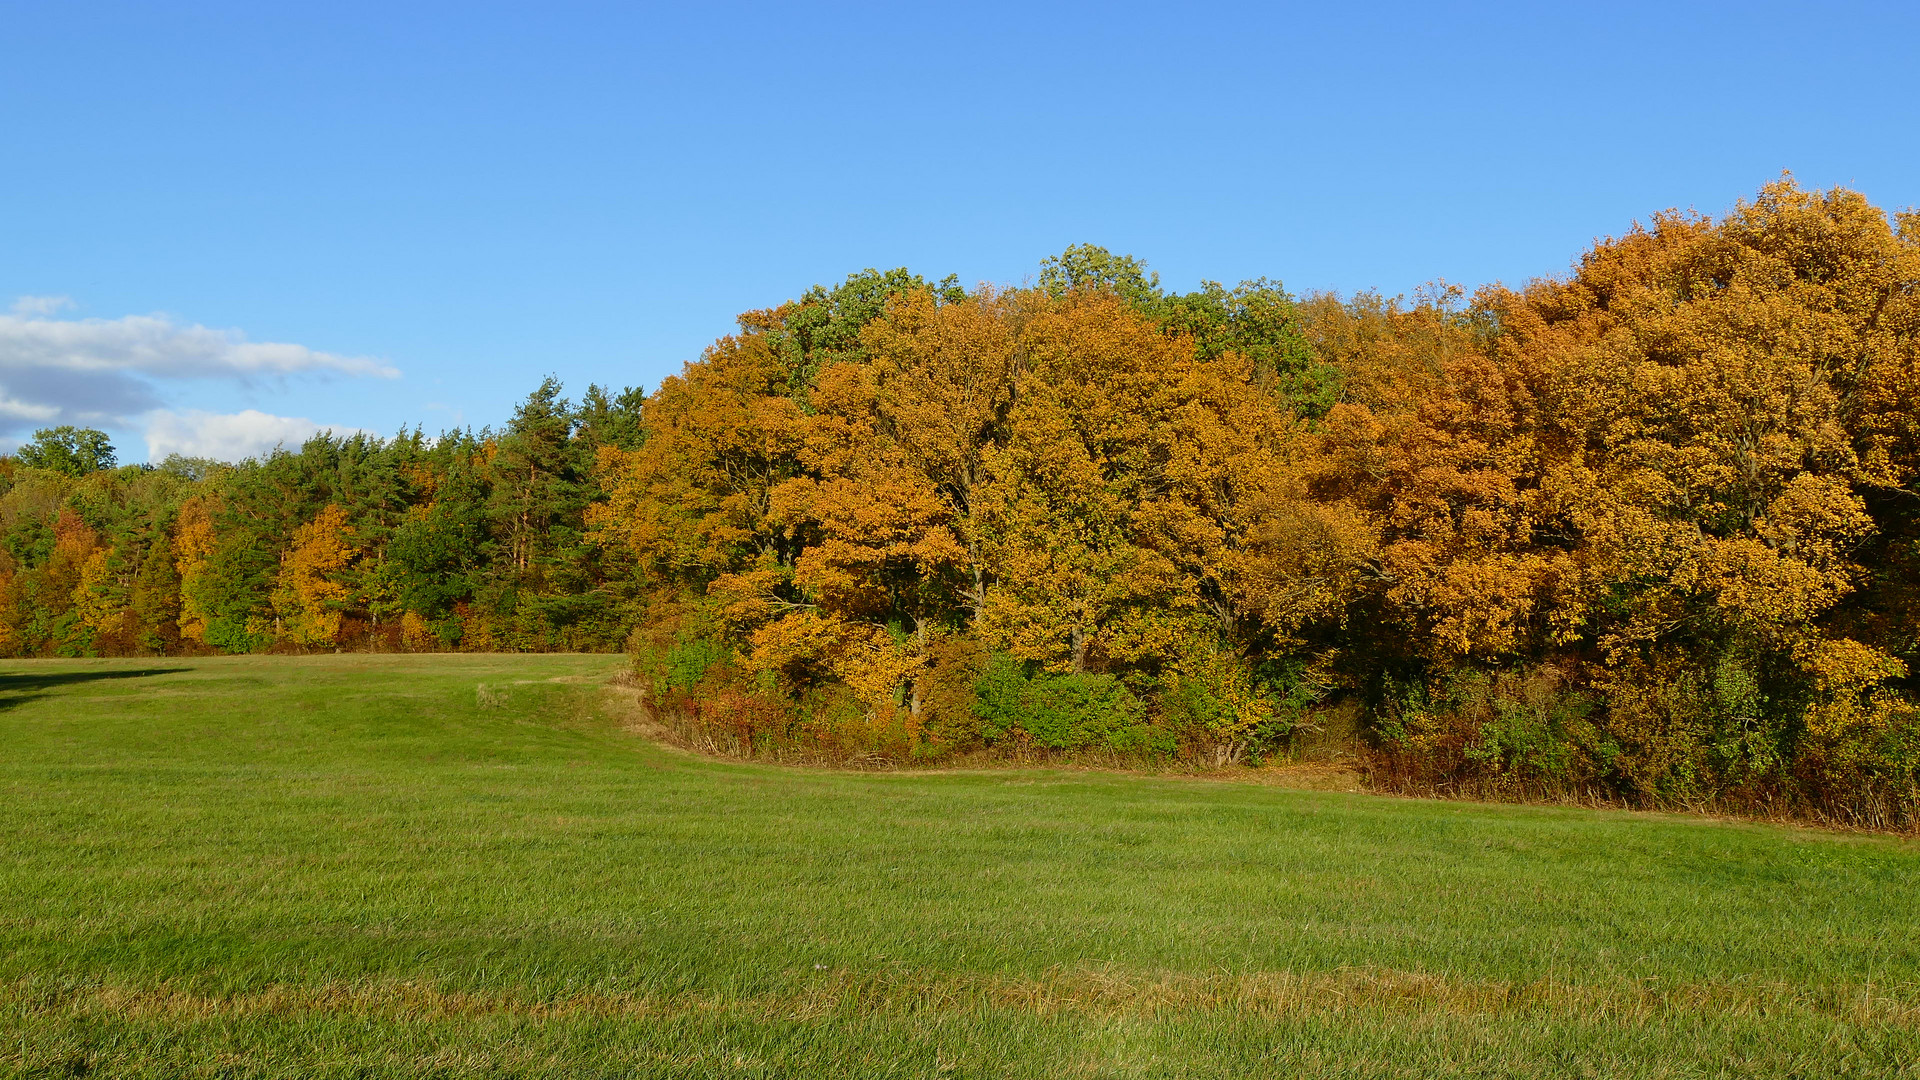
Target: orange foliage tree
312,592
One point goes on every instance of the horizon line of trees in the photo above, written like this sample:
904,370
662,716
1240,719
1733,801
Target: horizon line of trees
471,539
1646,532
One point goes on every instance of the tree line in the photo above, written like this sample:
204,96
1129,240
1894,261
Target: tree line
1647,531
471,540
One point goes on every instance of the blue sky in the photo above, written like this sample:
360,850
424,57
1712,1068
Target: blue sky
224,223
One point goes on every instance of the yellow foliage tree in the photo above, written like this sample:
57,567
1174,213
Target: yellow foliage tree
310,595
194,543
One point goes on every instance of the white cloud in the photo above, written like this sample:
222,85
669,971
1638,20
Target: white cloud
110,372
228,436
156,345
24,410
41,305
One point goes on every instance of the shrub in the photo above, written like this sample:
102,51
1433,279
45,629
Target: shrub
1522,731
1229,709
1063,711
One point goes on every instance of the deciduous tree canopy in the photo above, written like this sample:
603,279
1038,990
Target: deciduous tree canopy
1648,530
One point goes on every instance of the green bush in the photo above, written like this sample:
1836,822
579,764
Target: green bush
1521,731
687,662
1533,731
1062,711
674,650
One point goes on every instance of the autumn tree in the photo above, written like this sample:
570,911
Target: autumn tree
1650,530
1714,403
311,595
155,603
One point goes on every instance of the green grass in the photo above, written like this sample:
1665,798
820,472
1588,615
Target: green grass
347,866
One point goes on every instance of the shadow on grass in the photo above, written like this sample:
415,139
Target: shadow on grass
19,689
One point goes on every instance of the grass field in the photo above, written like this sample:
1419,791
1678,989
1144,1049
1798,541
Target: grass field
469,866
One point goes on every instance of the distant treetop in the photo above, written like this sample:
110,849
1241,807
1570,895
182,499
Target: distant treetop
67,449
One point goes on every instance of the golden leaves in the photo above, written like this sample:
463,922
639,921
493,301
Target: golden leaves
1700,411
310,596
193,545
1676,455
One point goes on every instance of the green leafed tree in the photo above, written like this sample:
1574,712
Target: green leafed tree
68,449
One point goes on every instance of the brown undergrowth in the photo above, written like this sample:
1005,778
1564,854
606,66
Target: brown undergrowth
670,728
1350,769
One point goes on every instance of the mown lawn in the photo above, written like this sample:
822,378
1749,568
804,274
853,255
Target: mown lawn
350,866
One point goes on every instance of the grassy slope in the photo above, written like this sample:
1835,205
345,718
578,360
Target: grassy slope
344,866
